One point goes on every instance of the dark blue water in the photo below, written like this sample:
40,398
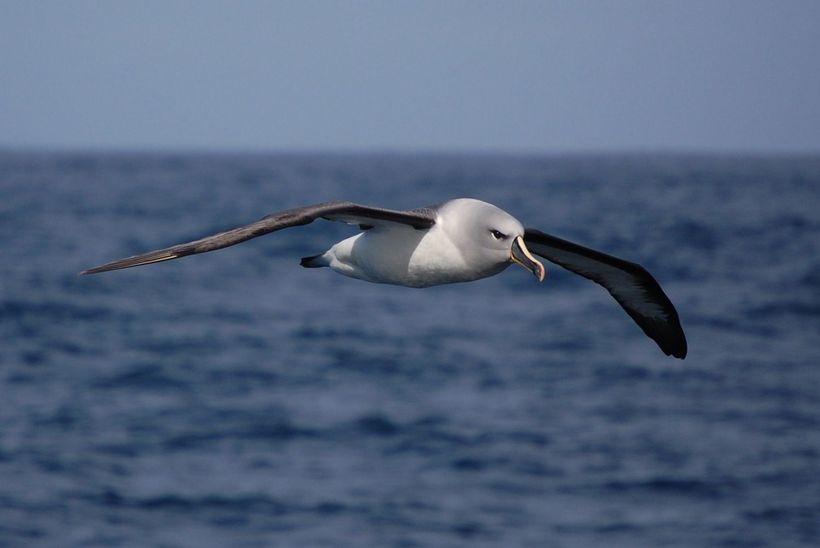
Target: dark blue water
236,399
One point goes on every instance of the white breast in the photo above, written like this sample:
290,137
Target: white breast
402,256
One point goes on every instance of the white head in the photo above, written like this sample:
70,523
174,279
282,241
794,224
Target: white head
490,238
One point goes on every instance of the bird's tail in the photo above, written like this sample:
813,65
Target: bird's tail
316,261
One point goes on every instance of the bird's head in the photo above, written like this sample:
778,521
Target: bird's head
495,237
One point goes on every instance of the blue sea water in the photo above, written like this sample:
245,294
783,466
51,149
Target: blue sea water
236,399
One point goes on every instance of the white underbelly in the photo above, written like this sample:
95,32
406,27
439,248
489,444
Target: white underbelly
402,256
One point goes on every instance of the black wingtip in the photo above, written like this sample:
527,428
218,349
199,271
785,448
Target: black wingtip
679,353
104,268
137,260
94,270
670,339
680,349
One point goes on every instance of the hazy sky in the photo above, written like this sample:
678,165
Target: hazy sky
431,75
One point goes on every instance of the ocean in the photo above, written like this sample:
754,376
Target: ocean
237,399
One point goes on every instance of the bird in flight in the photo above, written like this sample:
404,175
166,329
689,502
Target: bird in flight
459,240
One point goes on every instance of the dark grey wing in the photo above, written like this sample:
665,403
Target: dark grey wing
631,284
347,212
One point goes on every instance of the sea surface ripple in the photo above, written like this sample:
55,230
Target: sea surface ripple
236,399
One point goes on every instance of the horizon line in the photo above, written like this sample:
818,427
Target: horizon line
406,151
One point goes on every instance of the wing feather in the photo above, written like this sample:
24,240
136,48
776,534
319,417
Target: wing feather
347,212
635,289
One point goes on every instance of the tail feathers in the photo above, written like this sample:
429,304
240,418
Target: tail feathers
315,261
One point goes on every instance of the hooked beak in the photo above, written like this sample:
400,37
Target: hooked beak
521,255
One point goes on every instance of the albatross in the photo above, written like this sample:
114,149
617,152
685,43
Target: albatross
459,240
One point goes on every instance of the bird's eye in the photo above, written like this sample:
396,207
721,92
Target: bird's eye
498,235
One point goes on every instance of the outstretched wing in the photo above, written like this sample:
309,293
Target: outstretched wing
631,284
346,212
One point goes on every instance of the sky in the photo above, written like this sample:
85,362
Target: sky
506,76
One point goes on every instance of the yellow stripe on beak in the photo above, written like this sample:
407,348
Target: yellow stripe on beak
521,255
